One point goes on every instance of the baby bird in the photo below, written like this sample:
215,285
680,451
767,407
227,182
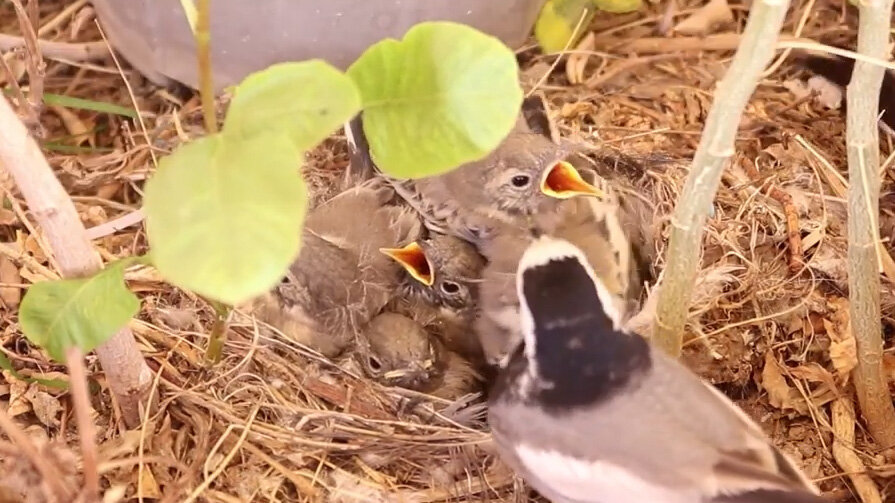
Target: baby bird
401,352
526,175
441,291
588,413
340,280
592,226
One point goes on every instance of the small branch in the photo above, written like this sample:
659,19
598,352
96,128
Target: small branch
793,231
864,264
203,47
86,430
128,375
113,226
843,420
659,45
715,148
88,51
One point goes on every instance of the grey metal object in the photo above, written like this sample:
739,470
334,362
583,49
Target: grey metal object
248,35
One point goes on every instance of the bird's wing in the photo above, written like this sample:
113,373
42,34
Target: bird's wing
744,458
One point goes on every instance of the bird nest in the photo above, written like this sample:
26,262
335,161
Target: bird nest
275,422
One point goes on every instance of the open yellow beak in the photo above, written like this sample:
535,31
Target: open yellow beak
413,259
563,181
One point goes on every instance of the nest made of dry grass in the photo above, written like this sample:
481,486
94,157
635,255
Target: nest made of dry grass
275,422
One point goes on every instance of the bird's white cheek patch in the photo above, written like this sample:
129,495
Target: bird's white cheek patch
590,481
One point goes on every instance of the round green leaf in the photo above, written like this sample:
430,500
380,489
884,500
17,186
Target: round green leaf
307,101
223,214
84,312
557,22
618,6
445,95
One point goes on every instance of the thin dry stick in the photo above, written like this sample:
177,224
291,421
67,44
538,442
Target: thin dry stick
128,375
87,51
86,428
843,413
862,138
715,148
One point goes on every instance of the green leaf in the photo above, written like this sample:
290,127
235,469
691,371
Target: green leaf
618,6
557,22
223,214
307,101
6,365
84,312
444,95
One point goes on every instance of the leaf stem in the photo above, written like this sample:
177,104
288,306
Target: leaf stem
716,146
862,138
203,47
218,336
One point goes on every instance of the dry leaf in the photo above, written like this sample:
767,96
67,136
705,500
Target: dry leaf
80,129
843,348
780,394
577,62
150,486
45,406
9,274
706,19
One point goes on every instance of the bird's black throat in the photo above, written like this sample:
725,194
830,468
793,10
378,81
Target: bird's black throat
581,358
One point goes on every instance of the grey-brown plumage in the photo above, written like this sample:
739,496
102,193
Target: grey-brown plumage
398,350
593,226
340,280
528,174
587,413
443,297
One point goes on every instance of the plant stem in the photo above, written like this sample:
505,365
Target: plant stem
715,148
862,138
127,373
86,429
203,47
218,336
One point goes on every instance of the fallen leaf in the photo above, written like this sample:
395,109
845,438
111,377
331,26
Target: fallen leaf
45,406
9,274
843,348
780,394
79,129
705,20
150,486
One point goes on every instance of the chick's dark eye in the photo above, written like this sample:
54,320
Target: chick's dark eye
374,364
520,181
450,288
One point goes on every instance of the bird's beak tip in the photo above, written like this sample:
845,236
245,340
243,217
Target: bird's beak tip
414,260
563,181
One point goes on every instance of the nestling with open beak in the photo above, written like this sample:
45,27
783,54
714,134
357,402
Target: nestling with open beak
591,225
588,413
340,280
441,291
526,175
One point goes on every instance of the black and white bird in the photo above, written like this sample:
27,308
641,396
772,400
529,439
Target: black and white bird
587,413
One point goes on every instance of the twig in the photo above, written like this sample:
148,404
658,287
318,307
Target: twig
715,148
113,226
86,430
46,470
793,231
843,420
87,51
34,65
659,45
127,373
864,263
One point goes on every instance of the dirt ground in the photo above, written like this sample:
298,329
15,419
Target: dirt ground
274,422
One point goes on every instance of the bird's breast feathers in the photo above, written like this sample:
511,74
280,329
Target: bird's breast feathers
591,481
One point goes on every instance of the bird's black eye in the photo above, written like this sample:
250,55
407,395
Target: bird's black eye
375,365
449,287
520,181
